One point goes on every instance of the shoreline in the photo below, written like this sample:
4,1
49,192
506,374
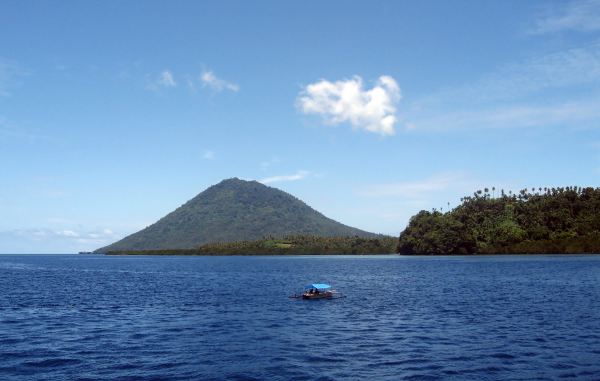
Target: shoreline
242,254
337,254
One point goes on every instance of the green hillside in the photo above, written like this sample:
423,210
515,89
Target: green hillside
548,220
234,210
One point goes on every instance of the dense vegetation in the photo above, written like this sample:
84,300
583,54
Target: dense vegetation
281,246
540,220
234,210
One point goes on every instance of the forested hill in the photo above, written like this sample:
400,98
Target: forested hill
234,210
540,220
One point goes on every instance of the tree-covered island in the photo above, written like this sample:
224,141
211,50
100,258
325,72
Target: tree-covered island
536,221
237,217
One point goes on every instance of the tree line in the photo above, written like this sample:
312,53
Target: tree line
536,220
286,245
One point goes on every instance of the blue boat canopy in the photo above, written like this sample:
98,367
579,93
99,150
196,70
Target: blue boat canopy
318,286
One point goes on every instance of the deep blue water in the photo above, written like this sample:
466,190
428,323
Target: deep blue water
76,317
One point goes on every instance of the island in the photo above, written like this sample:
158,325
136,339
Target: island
238,212
238,217
564,220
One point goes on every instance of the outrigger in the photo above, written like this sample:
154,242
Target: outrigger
318,291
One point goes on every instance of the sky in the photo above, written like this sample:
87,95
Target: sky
113,113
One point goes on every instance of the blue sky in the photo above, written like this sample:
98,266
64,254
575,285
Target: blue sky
114,113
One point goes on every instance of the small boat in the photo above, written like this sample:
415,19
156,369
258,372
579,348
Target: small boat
318,291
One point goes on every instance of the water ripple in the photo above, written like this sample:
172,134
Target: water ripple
180,318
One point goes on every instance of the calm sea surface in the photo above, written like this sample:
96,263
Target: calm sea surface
79,317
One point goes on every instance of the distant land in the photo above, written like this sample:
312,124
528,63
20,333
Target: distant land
231,211
563,220
238,217
291,245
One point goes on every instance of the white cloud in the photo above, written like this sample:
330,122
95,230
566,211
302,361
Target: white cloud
579,15
67,233
209,79
373,110
420,189
299,175
44,240
582,113
534,92
567,68
166,79
560,69
208,155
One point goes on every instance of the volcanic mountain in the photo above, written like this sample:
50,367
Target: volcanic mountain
234,210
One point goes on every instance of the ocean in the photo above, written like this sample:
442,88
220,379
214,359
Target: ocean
93,317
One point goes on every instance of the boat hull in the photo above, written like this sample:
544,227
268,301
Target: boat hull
325,295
